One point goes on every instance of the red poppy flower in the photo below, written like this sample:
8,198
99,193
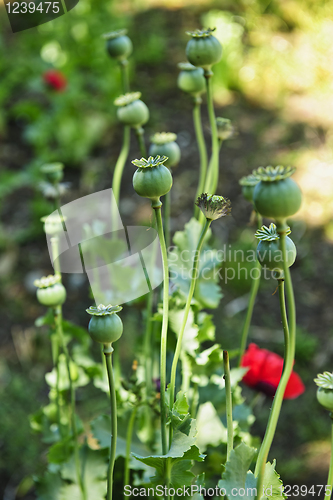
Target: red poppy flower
265,370
55,80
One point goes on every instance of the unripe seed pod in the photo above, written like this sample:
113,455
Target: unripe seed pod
131,110
51,292
203,49
152,179
118,45
163,144
248,184
324,382
269,252
53,172
105,325
276,195
191,79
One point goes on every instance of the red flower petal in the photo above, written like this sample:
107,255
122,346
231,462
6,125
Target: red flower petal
265,370
55,79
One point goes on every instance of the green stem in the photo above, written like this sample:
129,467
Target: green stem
186,313
128,445
186,371
167,210
118,170
288,366
55,254
140,134
228,397
148,364
108,353
213,170
202,149
124,75
195,400
164,334
328,491
253,294
58,319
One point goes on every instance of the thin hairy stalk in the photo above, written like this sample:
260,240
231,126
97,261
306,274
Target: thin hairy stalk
128,445
329,484
194,276
167,212
202,150
113,401
140,134
124,76
164,333
288,367
213,169
55,255
228,398
253,295
58,319
118,172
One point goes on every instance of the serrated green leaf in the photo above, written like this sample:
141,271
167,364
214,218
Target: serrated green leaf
177,461
206,327
237,474
273,485
211,430
181,406
190,342
49,486
60,452
93,464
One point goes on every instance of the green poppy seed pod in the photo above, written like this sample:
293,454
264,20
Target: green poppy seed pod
131,110
276,195
191,79
53,172
269,252
248,184
53,224
203,49
324,382
152,179
51,292
105,325
164,144
213,206
118,45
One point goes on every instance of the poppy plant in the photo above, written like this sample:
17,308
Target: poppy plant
265,370
55,80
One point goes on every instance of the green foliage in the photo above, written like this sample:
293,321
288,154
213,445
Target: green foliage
237,476
207,292
174,467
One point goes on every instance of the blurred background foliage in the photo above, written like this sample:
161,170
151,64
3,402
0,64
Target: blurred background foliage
275,82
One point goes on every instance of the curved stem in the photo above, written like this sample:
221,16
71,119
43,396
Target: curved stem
58,319
124,75
55,255
202,150
328,491
128,445
288,367
167,211
228,398
253,294
186,313
113,401
164,334
213,170
140,134
118,170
